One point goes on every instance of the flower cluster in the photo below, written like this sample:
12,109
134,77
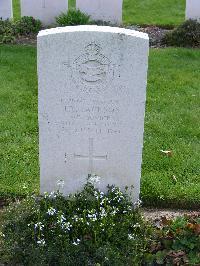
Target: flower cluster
77,222
91,211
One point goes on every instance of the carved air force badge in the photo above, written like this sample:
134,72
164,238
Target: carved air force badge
92,70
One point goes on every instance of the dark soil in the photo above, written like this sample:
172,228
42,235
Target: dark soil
155,33
27,40
154,214
155,36
3,203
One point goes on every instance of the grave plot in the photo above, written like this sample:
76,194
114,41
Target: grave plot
92,94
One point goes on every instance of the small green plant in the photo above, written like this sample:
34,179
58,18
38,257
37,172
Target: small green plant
73,17
27,25
87,228
10,30
7,31
186,35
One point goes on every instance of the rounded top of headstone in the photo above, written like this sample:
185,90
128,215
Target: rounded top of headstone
93,28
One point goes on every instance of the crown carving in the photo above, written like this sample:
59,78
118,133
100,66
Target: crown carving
92,49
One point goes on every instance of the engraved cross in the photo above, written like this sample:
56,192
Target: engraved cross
91,156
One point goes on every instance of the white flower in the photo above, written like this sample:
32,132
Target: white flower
66,226
53,194
46,195
93,179
2,235
138,204
101,194
39,225
96,194
103,201
131,237
75,218
115,210
51,211
93,217
76,242
60,183
102,212
61,219
137,225
129,208
41,242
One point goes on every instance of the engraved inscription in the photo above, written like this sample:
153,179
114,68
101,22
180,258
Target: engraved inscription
98,116
94,117
91,157
67,157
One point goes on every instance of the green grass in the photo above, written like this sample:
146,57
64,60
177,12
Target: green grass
172,122
18,119
72,3
152,12
16,9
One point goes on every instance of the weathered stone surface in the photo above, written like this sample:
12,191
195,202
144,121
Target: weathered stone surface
92,87
105,10
193,9
6,11
44,10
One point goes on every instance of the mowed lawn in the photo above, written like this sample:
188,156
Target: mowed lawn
172,123
143,12
154,12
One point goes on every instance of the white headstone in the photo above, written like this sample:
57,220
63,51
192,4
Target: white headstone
105,10
193,9
92,87
44,10
6,11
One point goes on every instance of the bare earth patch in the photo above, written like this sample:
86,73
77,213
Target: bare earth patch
156,214
27,40
155,36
